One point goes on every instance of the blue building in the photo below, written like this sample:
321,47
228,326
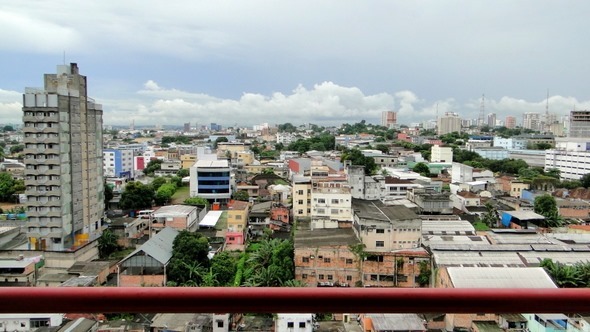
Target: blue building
118,163
211,179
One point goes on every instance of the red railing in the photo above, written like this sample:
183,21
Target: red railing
291,300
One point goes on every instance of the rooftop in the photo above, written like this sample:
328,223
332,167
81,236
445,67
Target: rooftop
376,210
325,237
500,277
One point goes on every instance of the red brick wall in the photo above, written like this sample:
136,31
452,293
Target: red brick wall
141,281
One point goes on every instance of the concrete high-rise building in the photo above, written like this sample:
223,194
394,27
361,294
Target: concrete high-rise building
491,120
579,124
388,119
449,123
187,127
510,122
531,120
63,158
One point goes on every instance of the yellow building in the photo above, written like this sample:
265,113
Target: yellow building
187,161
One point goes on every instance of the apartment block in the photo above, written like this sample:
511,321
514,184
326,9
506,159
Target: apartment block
301,196
64,162
210,179
440,154
118,163
331,205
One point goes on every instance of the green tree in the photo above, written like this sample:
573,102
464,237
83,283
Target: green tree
137,196
585,180
189,258
241,195
164,193
546,206
107,244
7,128
491,217
224,266
183,172
218,140
553,172
567,276
158,182
152,166
422,169
7,184
196,201
382,147
287,127
356,157
108,194
16,148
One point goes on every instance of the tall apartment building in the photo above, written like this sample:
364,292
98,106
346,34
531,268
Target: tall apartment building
491,120
579,124
510,122
449,123
388,119
63,158
531,120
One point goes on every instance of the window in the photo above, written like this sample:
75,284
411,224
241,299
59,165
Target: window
379,244
304,276
300,192
334,201
321,277
290,325
334,211
219,323
321,211
326,260
380,230
330,277
300,202
321,200
349,261
348,278
305,259
302,325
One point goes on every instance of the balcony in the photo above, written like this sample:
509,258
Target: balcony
291,300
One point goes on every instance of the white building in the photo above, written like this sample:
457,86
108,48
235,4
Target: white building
440,154
571,156
211,179
294,323
331,204
29,322
118,163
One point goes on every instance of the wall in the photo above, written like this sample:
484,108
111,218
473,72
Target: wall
336,261
141,280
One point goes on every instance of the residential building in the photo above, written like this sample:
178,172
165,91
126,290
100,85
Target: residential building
30,322
531,120
462,200
392,322
579,124
63,158
571,156
187,161
573,208
394,188
210,179
237,221
510,122
384,228
118,163
491,120
323,257
169,168
389,119
362,186
430,201
179,217
517,187
331,205
441,154
450,122
294,322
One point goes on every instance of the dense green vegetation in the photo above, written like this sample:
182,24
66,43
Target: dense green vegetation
9,187
322,142
568,276
356,157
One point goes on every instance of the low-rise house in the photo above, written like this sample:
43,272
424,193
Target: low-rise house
294,322
180,217
169,167
462,200
146,266
573,208
392,322
237,221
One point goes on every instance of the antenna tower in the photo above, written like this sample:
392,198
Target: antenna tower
482,111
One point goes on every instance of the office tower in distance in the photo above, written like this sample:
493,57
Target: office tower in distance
388,119
531,120
579,124
491,120
63,158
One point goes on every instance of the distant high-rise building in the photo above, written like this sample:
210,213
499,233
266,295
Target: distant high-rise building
531,120
214,127
388,119
449,123
579,124
187,127
510,122
491,120
64,162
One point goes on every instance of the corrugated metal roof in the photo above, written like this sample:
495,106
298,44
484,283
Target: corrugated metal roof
174,210
159,247
500,277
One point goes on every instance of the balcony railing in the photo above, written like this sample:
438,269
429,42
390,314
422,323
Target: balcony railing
291,300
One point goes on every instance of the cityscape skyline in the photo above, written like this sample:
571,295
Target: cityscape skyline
221,63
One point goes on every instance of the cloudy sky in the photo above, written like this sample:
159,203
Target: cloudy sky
324,62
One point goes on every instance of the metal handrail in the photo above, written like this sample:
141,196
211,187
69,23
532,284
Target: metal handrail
291,300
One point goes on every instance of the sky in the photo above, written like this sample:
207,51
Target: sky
322,62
